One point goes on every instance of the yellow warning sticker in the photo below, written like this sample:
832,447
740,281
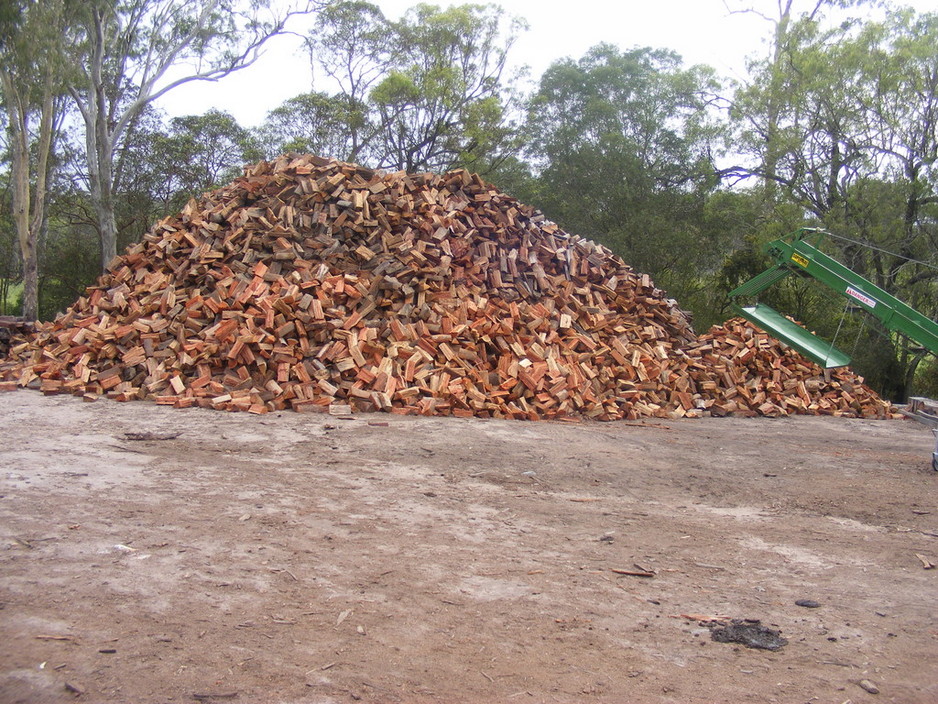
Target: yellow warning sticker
798,259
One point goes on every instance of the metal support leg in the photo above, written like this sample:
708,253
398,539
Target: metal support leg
934,455
925,410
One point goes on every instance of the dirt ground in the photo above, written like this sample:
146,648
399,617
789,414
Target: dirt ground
310,558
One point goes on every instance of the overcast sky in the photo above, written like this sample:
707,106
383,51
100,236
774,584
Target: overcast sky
701,31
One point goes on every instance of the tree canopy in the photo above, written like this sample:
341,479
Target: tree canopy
427,92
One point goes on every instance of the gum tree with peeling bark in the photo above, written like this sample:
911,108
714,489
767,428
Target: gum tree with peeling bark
133,52
31,91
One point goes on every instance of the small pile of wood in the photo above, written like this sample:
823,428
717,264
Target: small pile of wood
740,370
318,285
11,328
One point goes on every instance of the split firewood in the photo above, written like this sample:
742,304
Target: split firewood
740,370
319,286
12,328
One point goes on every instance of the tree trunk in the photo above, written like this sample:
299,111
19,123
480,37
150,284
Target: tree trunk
29,90
99,150
18,127
776,101
100,138
30,280
104,207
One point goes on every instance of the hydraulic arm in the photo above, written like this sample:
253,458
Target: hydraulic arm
793,254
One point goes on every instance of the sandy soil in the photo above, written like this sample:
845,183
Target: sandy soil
309,558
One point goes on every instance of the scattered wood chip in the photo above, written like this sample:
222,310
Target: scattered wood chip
926,563
214,695
147,436
121,448
632,573
701,617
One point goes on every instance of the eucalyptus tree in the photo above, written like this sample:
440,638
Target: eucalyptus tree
200,152
132,52
447,98
772,69
430,91
352,45
316,123
854,145
31,87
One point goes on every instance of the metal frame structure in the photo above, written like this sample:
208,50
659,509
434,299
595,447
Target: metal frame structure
793,254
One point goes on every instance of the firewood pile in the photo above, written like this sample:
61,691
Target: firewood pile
11,328
311,285
322,286
740,370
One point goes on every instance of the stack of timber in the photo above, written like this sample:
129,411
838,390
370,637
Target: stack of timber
740,370
318,285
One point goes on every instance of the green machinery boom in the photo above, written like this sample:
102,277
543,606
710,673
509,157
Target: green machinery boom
793,254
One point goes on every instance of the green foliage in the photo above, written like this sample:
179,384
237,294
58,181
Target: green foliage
623,141
69,264
841,120
11,297
11,19
442,102
200,152
30,44
926,379
428,92
314,123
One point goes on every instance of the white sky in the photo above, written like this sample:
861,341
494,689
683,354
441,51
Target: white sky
701,31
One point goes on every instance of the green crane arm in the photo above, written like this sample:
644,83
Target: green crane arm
793,254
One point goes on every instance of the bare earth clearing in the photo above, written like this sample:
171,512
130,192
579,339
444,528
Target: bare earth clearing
307,558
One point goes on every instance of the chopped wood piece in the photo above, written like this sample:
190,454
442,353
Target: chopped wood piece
633,573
